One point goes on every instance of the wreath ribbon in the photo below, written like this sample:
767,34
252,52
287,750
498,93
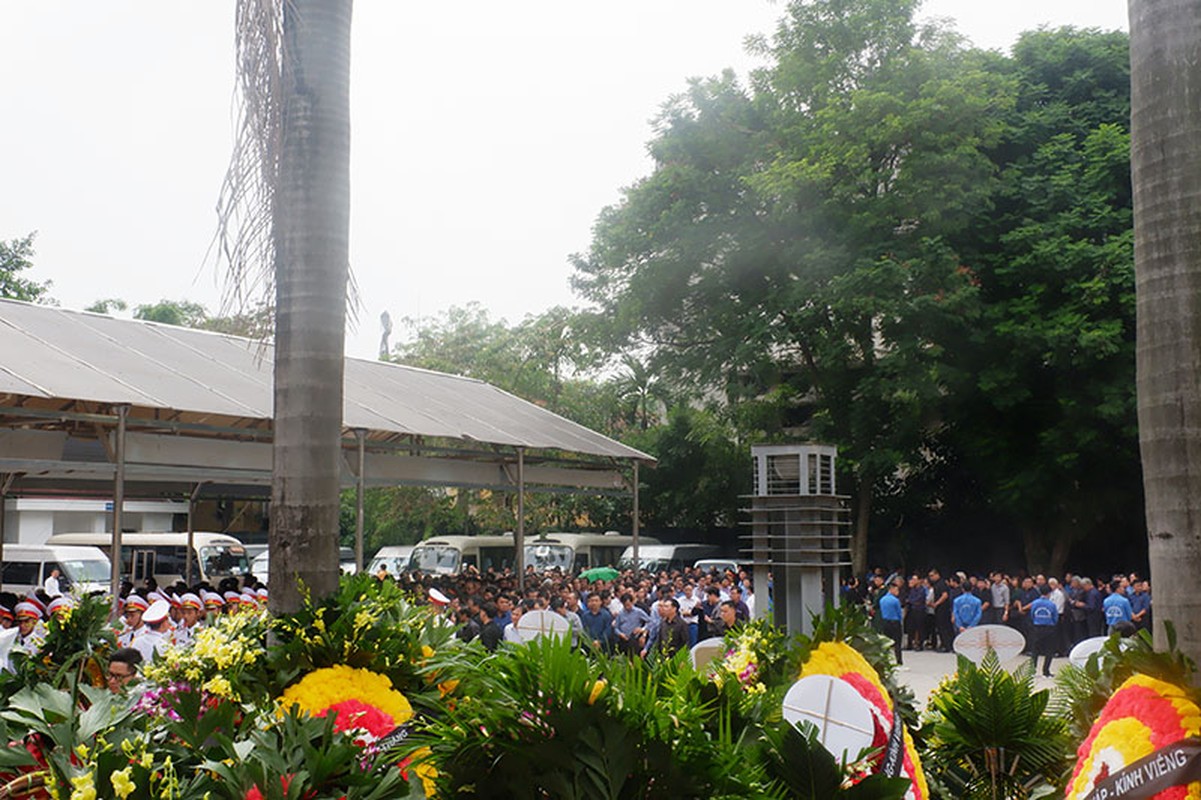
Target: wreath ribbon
1176,764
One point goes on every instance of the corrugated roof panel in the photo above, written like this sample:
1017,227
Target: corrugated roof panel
72,355
33,348
184,371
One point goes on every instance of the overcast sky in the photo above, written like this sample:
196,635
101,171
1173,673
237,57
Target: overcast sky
486,136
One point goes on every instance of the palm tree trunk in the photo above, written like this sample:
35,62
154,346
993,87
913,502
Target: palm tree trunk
311,232
1165,54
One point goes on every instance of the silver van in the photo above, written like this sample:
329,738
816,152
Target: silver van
25,567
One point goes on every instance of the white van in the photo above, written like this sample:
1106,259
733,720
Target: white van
25,567
667,557
394,557
260,565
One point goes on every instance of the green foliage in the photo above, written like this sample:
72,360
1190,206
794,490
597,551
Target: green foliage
401,515
805,770
294,757
183,313
107,306
543,720
1081,692
1053,361
16,257
75,650
367,624
988,734
700,474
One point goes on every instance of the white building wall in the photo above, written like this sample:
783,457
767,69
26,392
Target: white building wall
31,520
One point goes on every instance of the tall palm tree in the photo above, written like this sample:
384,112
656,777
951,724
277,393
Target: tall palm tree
285,222
1165,60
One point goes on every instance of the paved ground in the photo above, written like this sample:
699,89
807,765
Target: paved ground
921,672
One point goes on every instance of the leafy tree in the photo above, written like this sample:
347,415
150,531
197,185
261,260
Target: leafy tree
16,257
793,234
401,515
700,474
107,306
1046,431
183,313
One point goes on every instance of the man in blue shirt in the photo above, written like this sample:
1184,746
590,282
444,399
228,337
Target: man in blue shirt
1116,606
966,610
890,615
1140,604
598,624
1044,617
630,626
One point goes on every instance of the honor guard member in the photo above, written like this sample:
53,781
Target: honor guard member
233,602
1044,618
134,627
30,630
158,636
214,604
191,612
59,608
6,617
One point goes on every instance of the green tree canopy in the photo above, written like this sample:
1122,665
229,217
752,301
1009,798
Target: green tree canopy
16,257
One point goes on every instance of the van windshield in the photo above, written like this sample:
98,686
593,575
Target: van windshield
549,556
435,558
222,560
87,571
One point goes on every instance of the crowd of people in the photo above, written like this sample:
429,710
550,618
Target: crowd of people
644,615
928,611
638,614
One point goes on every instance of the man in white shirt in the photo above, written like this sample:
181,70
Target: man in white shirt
52,587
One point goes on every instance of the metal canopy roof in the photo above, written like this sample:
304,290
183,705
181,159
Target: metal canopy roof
200,412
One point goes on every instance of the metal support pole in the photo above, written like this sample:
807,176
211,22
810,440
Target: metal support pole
6,483
361,488
635,527
118,505
519,536
191,555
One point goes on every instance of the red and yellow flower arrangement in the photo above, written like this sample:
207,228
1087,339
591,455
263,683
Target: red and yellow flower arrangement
360,700
1142,716
843,661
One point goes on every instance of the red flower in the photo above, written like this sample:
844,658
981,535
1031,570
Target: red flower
355,714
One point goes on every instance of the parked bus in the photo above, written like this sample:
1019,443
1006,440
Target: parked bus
569,552
164,556
575,552
450,555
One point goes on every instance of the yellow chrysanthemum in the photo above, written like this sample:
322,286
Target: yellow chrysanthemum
839,658
326,687
1121,742
424,767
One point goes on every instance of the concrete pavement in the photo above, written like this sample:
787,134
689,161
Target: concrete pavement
923,671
